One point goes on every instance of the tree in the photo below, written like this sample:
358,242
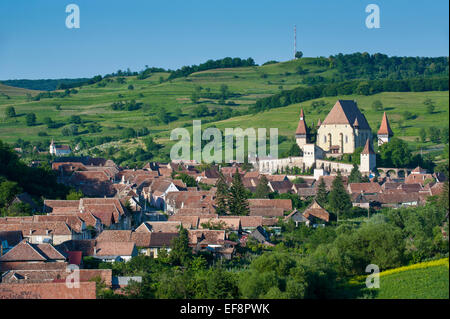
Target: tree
238,203
224,91
70,130
188,180
10,112
339,200
429,106
322,194
444,135
30,119
222,196
435,134
395,154
355,175
75,119
181,253
262,189
377,105
130,87
8,190
195,97
295,150
151,145
356,156
178,112
300,71
298,54
423,135
163,116
221,284
200,111
74,195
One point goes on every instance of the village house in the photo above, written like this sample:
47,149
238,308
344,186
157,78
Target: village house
317,211
59,150
229,224
108,251
146,242
298,218
260,235
28,256
420,176
159,226
157,191
199,201
150,244
38,232
269,207
109,211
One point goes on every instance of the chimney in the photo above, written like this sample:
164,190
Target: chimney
95,251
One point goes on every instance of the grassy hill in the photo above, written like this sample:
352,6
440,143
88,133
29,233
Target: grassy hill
14,91
395,104
245,84
426,280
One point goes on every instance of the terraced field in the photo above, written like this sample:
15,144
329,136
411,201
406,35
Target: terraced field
246,84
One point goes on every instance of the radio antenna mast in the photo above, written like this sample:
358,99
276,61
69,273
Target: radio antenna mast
295,40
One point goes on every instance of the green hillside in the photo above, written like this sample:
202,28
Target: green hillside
425,280
12,91
243,85
429,283
394,103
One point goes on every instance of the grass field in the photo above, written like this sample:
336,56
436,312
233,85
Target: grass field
14,91
247,84
427,280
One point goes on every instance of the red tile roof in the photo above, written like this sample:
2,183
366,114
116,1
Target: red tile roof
364,188
368,149
302,129
285,204
346,112
317,211
24,251
87,290
107,248
385,128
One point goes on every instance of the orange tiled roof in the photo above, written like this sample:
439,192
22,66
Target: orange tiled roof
385,128
346,112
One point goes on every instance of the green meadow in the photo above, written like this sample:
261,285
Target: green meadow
425,283
246,85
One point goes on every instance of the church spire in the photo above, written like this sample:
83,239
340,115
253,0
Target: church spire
301,128
385,128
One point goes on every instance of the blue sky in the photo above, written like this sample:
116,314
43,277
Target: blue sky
35,43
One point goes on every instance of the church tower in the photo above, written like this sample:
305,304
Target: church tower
52,148
368,158
384,133
301,134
